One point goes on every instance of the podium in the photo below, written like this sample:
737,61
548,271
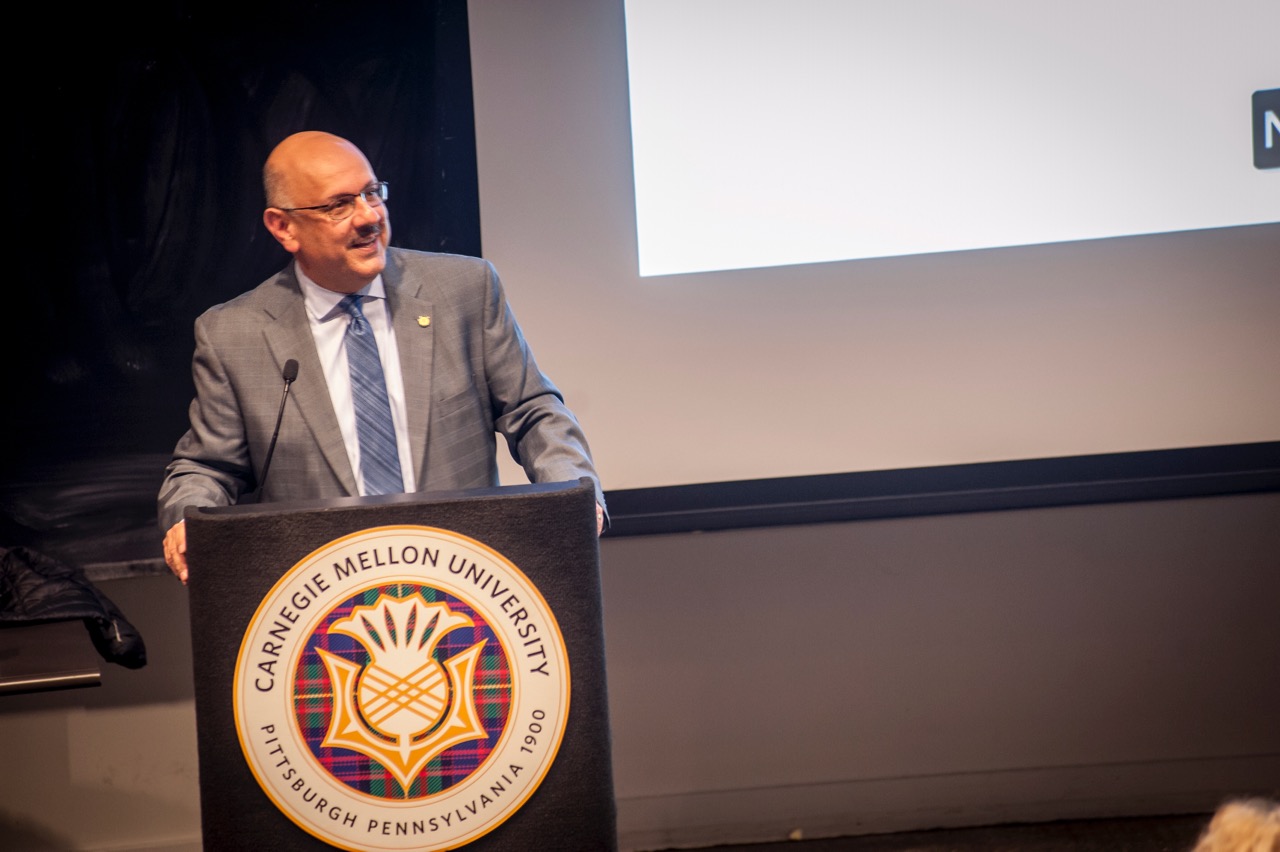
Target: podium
412,671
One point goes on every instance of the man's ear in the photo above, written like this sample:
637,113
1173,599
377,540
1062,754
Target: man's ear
281,227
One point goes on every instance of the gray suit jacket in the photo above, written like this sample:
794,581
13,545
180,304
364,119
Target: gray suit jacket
467,374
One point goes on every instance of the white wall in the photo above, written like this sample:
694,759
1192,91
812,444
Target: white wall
1071,349
965,669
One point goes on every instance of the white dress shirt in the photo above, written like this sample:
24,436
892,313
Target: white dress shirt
329,327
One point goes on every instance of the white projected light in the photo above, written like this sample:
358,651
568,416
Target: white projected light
772,134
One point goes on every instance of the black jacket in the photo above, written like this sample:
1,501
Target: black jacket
35,588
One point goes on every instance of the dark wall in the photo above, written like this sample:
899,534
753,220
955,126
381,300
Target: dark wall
140,141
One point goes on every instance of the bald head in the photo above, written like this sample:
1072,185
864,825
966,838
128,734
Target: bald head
304,173
307,154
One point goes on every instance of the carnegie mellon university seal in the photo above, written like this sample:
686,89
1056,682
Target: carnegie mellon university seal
401,688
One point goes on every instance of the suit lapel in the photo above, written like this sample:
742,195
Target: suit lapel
412,318
289,336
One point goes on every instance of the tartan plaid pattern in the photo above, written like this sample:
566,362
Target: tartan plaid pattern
313,698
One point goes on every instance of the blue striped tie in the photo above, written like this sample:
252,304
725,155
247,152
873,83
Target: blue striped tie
379,459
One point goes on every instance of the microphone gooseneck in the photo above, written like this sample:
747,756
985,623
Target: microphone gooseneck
289,374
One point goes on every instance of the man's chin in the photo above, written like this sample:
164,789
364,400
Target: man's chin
369,262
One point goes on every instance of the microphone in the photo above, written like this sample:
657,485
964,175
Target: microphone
289,373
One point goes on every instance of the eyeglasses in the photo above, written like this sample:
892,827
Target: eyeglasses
344,205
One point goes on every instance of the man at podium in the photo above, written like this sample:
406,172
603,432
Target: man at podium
359,368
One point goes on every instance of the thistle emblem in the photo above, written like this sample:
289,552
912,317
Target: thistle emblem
404,707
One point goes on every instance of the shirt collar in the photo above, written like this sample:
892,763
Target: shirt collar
322,304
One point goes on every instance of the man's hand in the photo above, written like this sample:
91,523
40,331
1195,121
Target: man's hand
599,521
175,550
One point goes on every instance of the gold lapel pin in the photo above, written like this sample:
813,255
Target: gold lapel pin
424,321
